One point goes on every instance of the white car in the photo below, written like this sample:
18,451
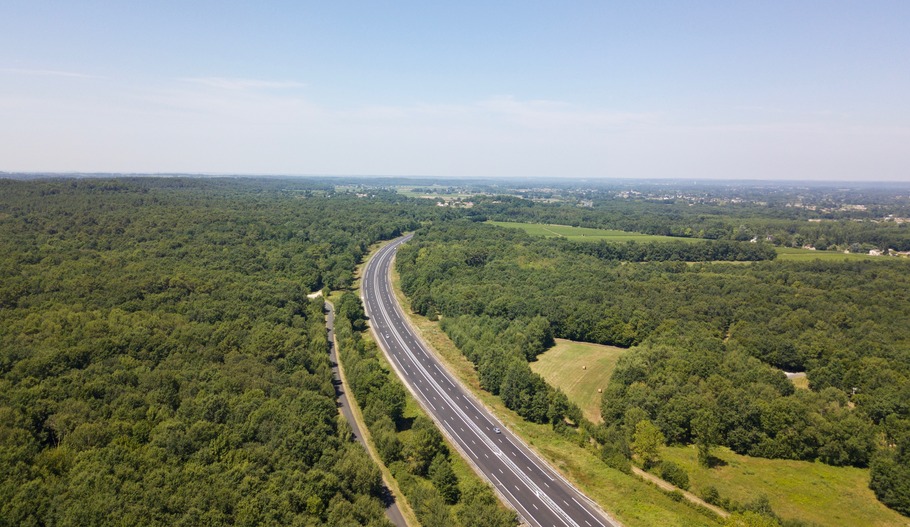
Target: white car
496,430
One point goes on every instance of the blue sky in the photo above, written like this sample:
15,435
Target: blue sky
684,89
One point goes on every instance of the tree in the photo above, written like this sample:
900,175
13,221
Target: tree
647,442
890,480
444,478
706,430
424,445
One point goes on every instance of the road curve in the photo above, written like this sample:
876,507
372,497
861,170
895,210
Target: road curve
529,485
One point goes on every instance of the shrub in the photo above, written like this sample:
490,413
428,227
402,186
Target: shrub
674,474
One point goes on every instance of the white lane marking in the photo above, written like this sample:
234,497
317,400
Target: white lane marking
512,467
515,501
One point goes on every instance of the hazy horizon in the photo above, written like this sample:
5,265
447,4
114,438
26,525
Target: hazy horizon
804,91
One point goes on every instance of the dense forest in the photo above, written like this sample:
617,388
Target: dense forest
710,341
160,363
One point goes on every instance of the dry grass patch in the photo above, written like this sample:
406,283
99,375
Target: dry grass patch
579,369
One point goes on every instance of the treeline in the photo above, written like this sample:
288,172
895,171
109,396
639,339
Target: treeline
674,251
786,226
710,340
500,350
160,363
412,448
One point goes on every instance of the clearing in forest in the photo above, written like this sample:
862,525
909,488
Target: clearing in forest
797,490
579,369
585,233
808,255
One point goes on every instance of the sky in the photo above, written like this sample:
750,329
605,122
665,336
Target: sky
774,90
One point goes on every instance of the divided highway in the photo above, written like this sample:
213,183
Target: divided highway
540,495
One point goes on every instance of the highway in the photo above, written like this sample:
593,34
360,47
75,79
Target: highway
529,485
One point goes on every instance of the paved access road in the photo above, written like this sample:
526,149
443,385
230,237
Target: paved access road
541,497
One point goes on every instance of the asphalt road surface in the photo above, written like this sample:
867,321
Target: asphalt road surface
539,494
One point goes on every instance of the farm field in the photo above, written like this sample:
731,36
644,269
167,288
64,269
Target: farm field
579,369
807,255
797,490
431,191
595,235
585,233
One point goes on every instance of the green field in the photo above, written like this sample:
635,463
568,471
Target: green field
595,235
806,255
579,369
584,233
802,490
431,191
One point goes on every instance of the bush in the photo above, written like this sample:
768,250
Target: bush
674,474
711,495
614,458
675,495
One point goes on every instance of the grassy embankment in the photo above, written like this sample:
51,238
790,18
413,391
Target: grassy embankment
579,369
630,500
595,235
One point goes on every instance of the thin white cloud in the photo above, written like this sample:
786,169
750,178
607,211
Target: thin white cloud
235,83
47,73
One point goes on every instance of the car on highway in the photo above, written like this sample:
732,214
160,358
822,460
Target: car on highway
496,430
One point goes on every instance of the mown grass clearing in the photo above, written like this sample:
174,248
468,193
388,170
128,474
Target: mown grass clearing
800,381
579,369
585,233
802,490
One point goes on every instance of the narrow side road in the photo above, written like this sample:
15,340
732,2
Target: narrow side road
392,511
